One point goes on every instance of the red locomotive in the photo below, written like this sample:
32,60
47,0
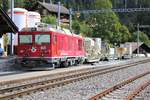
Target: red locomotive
49,46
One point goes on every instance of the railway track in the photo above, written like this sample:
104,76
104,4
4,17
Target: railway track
61,79
143,92
125,90
136,92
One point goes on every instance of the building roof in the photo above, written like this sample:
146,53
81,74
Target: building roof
6,24
143,48
135,45
52,8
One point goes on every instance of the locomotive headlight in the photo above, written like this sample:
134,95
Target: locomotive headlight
21,51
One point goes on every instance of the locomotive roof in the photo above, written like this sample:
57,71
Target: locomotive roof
52,29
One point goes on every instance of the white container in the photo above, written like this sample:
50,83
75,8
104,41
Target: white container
24,19
112,51
33,19
98,41
20,17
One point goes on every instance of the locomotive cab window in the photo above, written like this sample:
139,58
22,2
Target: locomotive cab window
25,39
42,39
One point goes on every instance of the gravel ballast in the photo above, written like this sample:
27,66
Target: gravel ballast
84,89
144,95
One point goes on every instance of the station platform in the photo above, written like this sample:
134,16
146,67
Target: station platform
6,62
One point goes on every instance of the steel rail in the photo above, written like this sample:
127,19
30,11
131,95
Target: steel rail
138,90
117,86
32,87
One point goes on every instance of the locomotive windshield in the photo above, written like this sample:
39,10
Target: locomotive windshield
25,39
42,39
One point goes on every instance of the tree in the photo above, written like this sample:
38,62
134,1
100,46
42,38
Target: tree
81,28
107,25
142,38
76,26
49,19
0,3
134,18
19,3
4,4
103,4
125,34
85,29
29,3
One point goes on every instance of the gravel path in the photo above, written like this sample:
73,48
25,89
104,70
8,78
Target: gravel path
84,89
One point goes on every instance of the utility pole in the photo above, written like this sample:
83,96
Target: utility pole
11,34
58,19
138,39
125,4
70,19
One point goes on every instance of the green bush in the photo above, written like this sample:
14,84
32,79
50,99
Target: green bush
49,19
